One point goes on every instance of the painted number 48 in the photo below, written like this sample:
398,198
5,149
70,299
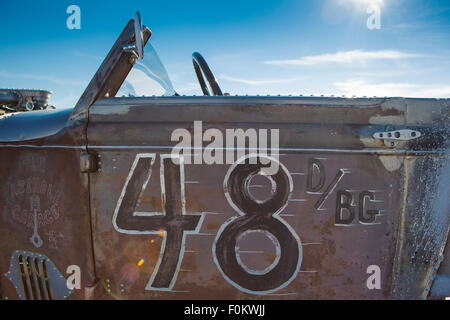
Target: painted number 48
253,216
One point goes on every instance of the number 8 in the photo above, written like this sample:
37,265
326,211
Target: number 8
257,216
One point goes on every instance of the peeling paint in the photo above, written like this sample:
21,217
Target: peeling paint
398,104
398,108
391,163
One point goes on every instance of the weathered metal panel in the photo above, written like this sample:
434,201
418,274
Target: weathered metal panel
425,218
44,207
343,202
424,225
334,251
334,258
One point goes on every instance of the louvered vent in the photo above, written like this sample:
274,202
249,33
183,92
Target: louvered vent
35,277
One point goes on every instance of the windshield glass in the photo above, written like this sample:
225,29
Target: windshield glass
147,78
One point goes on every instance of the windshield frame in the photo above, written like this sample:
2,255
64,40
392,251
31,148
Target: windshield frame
112,72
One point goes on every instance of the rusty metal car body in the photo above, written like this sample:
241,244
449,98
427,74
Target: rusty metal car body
363,183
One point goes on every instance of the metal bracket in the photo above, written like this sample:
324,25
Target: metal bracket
88,162
138,46
398,135
392,138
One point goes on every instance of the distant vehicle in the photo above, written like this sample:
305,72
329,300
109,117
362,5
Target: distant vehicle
358,208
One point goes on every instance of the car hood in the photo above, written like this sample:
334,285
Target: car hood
32,125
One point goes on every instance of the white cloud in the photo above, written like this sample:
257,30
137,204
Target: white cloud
367,2
362,4
353,56
357,87
256,82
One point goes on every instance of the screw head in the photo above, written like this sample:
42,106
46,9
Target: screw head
132,60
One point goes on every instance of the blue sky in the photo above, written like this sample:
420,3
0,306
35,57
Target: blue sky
311,47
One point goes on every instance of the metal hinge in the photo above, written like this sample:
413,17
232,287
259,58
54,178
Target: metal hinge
88,162
391,138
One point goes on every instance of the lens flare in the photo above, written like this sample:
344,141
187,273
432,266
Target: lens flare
362,4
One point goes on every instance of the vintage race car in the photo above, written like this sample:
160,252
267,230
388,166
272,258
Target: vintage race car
223,197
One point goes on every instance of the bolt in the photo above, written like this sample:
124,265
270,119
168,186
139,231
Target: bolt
132,60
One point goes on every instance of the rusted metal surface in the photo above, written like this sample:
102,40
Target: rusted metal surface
333,244
334,255
44,206
425,217
334,259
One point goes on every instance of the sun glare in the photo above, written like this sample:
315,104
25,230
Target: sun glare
369,2
363,4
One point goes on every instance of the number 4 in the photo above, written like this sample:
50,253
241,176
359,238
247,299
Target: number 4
174,221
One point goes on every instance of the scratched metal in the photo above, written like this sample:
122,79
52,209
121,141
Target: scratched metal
330,256
333,256
44,184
